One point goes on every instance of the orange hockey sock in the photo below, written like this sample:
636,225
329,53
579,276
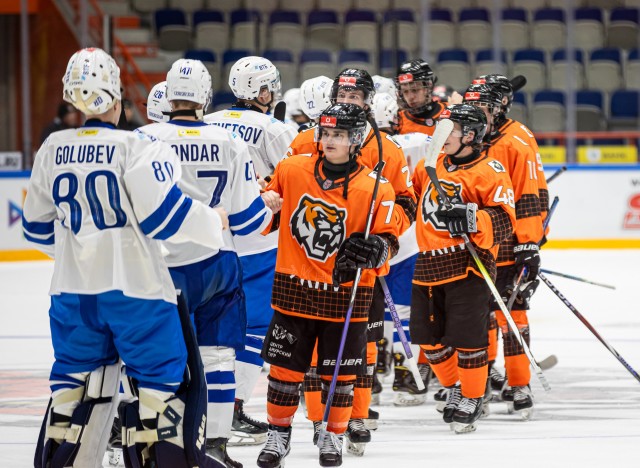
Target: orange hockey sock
283,395
342,403
362,390
443,362
472,371
516,362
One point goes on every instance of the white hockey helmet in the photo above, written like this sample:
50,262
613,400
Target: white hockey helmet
292,100
315,95
189,80
249,74
385,110
385,85
158,108
91,82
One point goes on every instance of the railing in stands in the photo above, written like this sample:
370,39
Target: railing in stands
130,74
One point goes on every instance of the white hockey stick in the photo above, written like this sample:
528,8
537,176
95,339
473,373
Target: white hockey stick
440,135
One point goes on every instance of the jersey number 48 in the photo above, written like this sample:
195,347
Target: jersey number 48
504,196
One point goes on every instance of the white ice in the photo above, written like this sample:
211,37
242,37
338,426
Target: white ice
591,417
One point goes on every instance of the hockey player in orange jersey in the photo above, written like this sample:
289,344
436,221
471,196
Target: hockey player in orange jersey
521,249
320,247
356,86
450,299
415,80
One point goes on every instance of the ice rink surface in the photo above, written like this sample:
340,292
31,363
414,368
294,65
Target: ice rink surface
591,417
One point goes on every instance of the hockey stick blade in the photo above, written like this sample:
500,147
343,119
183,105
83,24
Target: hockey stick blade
518,82
280,110
548,362
440,135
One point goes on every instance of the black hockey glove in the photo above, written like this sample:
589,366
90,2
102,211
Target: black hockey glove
356,252
527,255
460,219
524,294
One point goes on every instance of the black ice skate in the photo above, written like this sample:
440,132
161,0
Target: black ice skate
330,445
407,392
385,359
454,396
467,414
277,447
497,379
371,422
358,436
217,448
522,402
376,390
246,430
316,431
441,398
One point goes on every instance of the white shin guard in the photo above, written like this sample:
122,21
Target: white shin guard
221,384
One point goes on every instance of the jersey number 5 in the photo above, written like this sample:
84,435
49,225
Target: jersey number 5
504,196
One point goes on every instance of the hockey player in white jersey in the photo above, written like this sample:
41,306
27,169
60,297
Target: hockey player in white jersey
315,96
98,200
255,81
217,170
294,115
158,108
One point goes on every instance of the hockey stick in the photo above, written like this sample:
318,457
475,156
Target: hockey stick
556,174
577,278
516,288
588,325
518,82
352,301
446,126
280,110
411,362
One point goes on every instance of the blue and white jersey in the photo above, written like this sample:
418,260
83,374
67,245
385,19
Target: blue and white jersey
267,137
99,200
414,147
216,170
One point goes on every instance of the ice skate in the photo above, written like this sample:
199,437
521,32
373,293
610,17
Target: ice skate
330,445
385,358
357,437
316,431
404,385
497,380
454,396
217,448
277,447
466,416
246,430
371,423
522,402
441,399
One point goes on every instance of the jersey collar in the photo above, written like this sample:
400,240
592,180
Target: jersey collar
99,123
188,123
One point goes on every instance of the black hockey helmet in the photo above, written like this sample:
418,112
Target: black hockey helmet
354,78
484,94
416,71
470,118
344,116
500,83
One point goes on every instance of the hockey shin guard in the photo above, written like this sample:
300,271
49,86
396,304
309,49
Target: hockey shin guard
444,363
283,395
340,411
516,362
218,364
473,372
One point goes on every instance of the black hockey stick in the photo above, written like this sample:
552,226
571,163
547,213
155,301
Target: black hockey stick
446,126
518,82
576,278
556,174
589,326
352,301
280,110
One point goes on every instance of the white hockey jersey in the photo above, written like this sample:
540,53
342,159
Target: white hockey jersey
414,146
267,137
97,199
216,170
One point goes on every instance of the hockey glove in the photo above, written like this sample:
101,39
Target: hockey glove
527,255
460,219
356,252
524,294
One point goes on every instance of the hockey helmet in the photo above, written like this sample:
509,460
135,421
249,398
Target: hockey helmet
344,116
500,83
250,74
158,108
481,95
189,80
354,78
385,110
315,95
416,74
470,118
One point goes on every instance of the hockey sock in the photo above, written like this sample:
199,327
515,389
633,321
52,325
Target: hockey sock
473,372
444,363
363,385
312,387
221,385
283,395
516,362
248,367
342,404
493,337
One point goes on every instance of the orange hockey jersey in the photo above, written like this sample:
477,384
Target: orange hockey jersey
485,181
520,161
396,169
314,221
408,123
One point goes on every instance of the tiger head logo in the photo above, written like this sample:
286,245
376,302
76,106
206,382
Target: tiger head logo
318,227
431,200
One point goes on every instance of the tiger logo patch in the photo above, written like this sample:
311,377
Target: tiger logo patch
431,200
318,227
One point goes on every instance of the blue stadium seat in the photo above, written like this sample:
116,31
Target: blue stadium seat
285,31
209,59
560,67
324,31
207,16
485,63
531,63
229,57
519,110
361,30
211,30
605,69
245,24
222,100
399,29
590,111
474,14
548,111
314,63
454,69
548,29
355,59
204,55
442,31
514,29
390,60
285,63
474,28
174,34
623,28
244,16
168,17
322,17
284,16
588,28
624,110
632,71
